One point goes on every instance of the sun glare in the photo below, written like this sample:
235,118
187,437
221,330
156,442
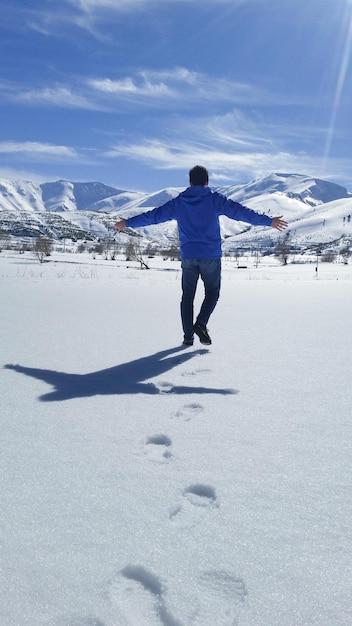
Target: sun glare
345,47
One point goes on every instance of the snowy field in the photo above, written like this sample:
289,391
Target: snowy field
144,484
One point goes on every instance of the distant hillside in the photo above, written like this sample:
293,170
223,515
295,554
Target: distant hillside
318,211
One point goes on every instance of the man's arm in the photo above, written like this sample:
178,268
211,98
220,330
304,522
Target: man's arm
163,213
236,211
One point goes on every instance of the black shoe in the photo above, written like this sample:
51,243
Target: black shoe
202,332
187,341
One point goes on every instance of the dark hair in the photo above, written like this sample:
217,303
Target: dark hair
198,175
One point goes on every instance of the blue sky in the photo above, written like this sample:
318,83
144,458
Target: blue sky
132,93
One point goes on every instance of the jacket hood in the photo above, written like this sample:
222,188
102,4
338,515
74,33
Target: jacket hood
196,191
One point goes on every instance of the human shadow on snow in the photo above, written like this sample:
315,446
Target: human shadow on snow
125,378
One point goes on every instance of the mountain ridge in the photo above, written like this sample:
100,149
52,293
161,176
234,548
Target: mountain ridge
88,210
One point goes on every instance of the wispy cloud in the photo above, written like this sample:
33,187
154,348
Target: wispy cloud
57,96
131,87
89,15
115,5
166,85
37,149
122,5
187,89
177,87
234,137
225,164
161,154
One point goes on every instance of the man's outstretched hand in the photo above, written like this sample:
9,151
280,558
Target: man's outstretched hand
121,225
279,223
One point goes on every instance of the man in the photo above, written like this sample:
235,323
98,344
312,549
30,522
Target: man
197,211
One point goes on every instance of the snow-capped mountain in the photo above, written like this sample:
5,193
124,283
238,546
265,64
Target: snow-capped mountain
311,191
318,211
62,195
60,209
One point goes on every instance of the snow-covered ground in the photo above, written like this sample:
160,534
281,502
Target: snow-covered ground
143,484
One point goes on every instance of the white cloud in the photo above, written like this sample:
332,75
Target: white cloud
35,148
129,87
225,165
58,96
165,84
119,5
176,74
174,87
89,15
188,89
116,5
230,141
165,155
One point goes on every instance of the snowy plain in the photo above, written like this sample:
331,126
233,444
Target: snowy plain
144,484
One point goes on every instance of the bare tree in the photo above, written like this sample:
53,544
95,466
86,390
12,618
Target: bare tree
283,249
172,251
134,252
129,251
329,256
345,253
42,248
114,250
98,248
106,244
4,238
110,248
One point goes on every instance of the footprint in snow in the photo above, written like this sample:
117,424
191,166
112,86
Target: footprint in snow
138,597
158,448
220,595
196,372
198,500
164,386
188,411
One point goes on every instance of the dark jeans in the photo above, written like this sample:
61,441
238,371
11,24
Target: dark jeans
210,272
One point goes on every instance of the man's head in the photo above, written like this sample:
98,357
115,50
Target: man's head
198,175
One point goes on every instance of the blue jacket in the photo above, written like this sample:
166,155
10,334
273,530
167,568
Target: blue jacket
197,211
